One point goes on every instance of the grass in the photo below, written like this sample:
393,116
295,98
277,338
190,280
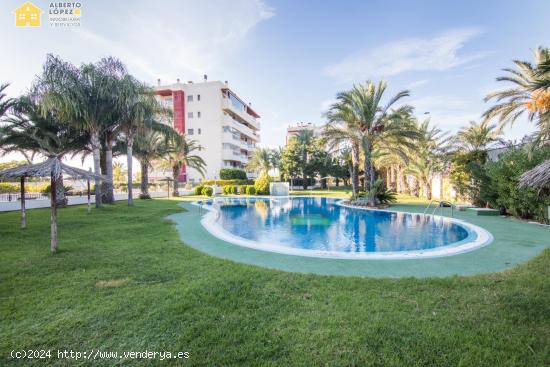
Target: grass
123,281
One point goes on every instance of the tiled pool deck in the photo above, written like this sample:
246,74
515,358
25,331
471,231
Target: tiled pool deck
514,242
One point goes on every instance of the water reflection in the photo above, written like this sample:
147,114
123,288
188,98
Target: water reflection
320,224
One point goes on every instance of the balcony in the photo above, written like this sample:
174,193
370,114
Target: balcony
231,155
227,105
243,129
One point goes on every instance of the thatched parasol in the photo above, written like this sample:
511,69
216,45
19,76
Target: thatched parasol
538,177
53,168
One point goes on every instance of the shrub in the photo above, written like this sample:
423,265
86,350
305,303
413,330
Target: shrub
7,188
234,190
262,184
232,174
503,182
207,191
250,190
47,189
198,189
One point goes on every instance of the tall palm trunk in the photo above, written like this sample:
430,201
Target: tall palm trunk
176,169
370,175
144,180
53,217
95,150
61,200
354,168
427,188
304,176
109,189
129,152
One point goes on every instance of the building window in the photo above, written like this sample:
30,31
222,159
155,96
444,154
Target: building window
199,131
190,115
190,98
190,132
199,114
198,97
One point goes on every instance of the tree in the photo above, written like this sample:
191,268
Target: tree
290,161
179,154
476,136
5,102
30,132
342,132
525,96
139,110
304,139
261,160
428,157
148,146
84,97
371,122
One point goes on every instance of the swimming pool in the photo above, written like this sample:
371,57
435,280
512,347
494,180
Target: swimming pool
324,227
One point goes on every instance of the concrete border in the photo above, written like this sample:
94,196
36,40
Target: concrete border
477,237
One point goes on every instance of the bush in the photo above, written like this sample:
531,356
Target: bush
250,190
198,190
234,190
47,189
505,193
262,184
8,188
232,174
207,191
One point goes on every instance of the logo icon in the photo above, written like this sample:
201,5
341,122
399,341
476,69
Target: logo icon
27,15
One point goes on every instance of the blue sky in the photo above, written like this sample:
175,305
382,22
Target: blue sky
290,58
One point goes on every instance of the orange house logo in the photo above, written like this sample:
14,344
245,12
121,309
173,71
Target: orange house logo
27,15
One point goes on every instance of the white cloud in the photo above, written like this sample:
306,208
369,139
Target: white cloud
418,83
415,54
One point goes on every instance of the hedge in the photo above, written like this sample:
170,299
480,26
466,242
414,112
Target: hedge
227,182
232,174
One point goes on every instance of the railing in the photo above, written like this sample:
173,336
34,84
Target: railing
28,196
441,204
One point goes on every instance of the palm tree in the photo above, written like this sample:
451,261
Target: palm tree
139,110
30,132
342,132
375,122
261,161
5,102
476,136
526,95
148,146
178,154
304,139
428,155
84,97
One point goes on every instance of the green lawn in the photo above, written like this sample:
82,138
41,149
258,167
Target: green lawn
123,281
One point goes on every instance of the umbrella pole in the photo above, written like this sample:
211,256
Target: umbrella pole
53,224
23,208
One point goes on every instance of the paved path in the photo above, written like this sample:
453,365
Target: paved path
514,242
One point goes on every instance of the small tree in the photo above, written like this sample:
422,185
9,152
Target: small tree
261,185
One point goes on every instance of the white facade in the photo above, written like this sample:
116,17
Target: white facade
292,131
226,128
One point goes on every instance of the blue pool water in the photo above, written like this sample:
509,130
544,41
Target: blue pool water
321,224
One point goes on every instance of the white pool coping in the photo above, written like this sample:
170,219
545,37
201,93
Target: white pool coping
482,238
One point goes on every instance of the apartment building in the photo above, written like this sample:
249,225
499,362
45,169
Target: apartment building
294,130
225,126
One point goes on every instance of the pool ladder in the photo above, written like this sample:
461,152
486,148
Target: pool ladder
440,204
